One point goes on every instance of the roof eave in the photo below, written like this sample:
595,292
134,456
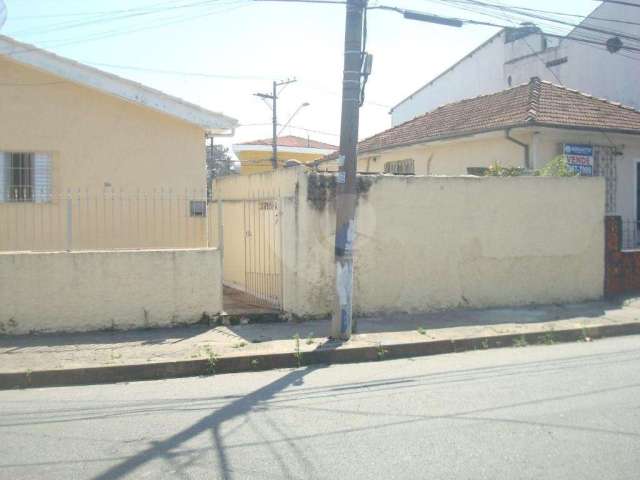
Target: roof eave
114,85
498,129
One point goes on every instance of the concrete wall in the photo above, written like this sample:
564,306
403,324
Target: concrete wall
428,243
101,146
496,66
453,157
83,291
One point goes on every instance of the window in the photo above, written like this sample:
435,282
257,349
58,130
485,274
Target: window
198,208
400,167
20,185
25,177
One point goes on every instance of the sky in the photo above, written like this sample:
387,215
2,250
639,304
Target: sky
238,47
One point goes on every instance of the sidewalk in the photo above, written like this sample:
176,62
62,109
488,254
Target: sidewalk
81,358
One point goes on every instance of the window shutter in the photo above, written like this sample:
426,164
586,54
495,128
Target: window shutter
4,176
42,177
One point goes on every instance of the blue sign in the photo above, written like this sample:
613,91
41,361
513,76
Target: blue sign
579,158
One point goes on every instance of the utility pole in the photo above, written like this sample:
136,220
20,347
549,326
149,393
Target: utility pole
274,103
346,191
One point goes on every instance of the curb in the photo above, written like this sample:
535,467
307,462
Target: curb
323,355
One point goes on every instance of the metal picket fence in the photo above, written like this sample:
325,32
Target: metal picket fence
84,220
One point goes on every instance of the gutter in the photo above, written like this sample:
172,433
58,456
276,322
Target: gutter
527,152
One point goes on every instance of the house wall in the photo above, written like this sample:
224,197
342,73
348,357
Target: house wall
455,156
461,81
589,68
452,157
83,291
100,146
547,144
257,161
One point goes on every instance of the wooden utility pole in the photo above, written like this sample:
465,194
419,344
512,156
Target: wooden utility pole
273,96
346,191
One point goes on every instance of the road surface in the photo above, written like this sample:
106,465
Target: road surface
569,411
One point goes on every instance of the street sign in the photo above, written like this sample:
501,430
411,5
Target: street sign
579,158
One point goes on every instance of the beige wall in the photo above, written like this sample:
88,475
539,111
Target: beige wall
453,157
428,243
81,291
95,139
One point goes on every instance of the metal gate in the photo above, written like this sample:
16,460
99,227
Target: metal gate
262,249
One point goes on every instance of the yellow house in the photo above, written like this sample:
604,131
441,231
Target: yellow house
256,156
95,159
525,126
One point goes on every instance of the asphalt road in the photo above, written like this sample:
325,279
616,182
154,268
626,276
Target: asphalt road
568,411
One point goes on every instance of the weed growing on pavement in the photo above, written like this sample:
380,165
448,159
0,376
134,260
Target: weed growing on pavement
585,335
297,353
255,362
520,341
548,338
310,339
485,343
212,359
240,345
382,352
422,331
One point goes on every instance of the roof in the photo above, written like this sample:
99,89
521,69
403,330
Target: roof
111,84
293,141
537,103
435,79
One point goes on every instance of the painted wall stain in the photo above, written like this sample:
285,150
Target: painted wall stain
321,188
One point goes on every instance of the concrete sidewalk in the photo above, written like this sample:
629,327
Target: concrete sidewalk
66,359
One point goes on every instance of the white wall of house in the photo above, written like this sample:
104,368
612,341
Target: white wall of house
497,65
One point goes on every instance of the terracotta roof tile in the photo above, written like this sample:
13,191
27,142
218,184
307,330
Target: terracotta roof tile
535,103
293,141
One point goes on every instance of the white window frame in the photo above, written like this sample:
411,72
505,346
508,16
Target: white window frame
40,181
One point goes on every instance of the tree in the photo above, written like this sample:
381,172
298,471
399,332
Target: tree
219,163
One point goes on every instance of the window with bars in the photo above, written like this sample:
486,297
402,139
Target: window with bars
25,177
400,167
20,184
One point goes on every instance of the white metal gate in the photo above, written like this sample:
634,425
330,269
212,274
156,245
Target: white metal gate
262,249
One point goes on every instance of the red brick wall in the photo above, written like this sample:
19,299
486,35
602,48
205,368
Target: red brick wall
622,269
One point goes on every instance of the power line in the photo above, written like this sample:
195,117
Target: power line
475,6
126,14
88,14
112,33
304,83
535,15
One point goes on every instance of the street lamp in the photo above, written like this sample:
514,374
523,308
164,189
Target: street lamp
286,124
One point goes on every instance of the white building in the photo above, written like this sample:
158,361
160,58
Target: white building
511,57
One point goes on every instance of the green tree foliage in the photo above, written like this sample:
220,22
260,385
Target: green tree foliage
557,167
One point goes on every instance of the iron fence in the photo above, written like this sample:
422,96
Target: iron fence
630,235
84,220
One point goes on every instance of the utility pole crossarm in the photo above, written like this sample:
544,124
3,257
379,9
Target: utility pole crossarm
273,96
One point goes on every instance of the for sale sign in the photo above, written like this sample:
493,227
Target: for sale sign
579,158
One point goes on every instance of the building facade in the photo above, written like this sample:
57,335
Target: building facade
86,149
580,60
525,126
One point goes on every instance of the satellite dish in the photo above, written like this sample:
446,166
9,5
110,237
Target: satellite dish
3,13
